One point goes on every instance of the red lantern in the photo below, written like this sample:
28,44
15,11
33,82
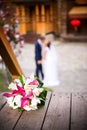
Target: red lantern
75,22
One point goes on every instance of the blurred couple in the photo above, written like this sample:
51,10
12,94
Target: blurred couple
46,62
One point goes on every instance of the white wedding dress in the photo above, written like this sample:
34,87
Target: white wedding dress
50,67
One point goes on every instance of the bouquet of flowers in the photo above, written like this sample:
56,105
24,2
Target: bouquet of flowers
27,93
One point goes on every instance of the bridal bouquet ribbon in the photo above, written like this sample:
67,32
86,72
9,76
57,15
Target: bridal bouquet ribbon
27,93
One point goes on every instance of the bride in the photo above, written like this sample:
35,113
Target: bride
50,65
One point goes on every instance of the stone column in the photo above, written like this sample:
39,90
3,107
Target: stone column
62,16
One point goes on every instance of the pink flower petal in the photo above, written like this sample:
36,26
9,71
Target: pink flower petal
24,102
7,95
21,90
34,82
15,92
30,94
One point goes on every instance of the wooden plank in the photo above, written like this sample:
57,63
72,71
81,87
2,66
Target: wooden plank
8,118
79,112
2,101
33,120
58,114
8,56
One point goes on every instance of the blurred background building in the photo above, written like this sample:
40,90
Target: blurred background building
50,16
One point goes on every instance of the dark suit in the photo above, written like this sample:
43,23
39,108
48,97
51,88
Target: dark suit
38,56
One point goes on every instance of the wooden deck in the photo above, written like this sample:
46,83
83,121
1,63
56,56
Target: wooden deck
62,111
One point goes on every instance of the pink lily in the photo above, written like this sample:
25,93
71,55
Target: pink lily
34,82
30,95
21,90
15,92
8,95
25,99
24,102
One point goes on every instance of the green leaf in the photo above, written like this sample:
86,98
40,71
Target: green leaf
20,109
15,104
22,81
43,97
41,104
48,89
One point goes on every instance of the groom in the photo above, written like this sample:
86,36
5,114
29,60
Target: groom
38,56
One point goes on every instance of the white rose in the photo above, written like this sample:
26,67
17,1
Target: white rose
34,103
37,91
12,86
17,100
28,80
10,101
27,108
17,81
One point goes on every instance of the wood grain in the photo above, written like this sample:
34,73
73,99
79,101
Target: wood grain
8,56
58,114
61,112
79,112
8,118
33,120
2,101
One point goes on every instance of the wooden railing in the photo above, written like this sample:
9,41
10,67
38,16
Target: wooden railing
8,56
